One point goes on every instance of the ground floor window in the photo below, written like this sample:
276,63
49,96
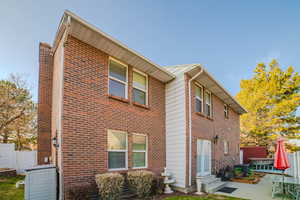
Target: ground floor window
117,150
139,151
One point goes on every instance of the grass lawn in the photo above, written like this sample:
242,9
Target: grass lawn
8,190
208,197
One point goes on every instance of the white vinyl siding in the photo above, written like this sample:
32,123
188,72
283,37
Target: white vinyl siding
176,130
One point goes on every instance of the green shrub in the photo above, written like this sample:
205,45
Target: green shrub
250,172
238,172
110,185
79,191
140,182
157,185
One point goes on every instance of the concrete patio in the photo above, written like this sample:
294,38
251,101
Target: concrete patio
260,191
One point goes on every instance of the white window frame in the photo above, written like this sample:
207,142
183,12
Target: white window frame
144,90
197,97
116,150
226,111
210,107
141,151
226,147
115,79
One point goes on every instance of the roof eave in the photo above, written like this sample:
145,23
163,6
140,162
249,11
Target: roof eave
238,107
91,35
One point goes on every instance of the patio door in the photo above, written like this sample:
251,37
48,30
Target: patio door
203,157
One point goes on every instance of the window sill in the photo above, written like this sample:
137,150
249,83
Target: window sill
140,105
118,98
135,168
203,115
200,114
210,118
119,169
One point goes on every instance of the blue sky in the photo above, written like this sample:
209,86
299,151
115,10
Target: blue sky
228,37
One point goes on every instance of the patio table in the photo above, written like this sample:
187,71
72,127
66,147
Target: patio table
290,184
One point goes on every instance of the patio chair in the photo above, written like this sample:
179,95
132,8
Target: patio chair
294,191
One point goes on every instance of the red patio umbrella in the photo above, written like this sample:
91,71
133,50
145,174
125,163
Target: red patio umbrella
281,161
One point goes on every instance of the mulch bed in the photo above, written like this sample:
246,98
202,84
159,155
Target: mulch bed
255,180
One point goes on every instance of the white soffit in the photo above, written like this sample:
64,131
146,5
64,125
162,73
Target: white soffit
100,40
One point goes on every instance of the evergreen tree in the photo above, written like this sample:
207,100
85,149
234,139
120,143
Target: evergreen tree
271,98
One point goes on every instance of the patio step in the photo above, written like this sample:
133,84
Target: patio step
210,179
212,188
211,184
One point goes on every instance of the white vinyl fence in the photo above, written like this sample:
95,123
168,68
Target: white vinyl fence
294,160
19,160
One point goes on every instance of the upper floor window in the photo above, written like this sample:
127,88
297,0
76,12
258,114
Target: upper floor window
117,150
139,151
118,78
225,111
208,110
140,87
199,99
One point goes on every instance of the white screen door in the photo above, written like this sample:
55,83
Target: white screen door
203,157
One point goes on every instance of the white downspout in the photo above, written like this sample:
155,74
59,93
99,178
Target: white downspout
61,174
190,126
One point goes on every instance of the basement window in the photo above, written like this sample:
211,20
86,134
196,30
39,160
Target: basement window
118,78
199,98
117,150
140,87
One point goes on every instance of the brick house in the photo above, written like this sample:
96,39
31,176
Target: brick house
104,107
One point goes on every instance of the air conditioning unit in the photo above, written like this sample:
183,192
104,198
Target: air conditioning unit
41,183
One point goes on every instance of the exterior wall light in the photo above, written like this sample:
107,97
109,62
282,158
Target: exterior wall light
54,142
216,138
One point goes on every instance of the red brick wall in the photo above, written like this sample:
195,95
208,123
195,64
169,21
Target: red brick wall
204,128
254,152
44,102
88,112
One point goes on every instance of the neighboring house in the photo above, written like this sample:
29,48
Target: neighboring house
253,152
105,108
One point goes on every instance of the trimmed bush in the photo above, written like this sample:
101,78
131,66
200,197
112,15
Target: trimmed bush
140,182
110,185
80,191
